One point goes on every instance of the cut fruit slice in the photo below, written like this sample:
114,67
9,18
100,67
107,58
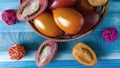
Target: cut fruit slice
97,2
29,9
84,54
46,52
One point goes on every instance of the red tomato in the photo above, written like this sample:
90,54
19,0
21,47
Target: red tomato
69,20
91,19
46,25
61,3
83,4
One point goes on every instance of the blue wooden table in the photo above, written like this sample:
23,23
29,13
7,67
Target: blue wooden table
108,53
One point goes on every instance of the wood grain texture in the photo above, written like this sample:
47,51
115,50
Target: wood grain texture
62,64
31,41
21,33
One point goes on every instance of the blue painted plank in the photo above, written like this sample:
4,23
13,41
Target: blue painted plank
114,6
61,64
23,34
30,56
8,1
19,27
111,20
31,41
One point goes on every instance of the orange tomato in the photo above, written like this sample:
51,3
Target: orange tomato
68,19
46,25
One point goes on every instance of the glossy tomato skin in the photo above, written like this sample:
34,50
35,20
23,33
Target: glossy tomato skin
46,25
68,19
91,19
53,4
83,4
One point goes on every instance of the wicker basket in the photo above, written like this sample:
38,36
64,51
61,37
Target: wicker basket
102,10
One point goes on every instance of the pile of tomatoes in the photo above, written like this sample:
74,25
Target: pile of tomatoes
61,17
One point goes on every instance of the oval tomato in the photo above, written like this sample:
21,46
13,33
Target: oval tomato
69,20
83,4
29,9
61,3
91,19
84,54
46,52
46,25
